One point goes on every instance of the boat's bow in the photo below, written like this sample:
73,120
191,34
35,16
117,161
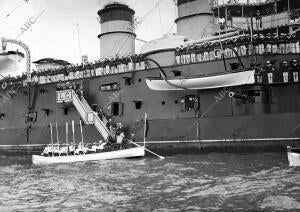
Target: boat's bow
293,154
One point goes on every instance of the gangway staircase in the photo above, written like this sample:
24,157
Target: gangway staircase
84,110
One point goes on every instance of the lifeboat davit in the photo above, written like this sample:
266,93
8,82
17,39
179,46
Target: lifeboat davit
8,60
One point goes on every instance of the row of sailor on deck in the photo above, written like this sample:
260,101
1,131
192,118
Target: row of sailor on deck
247,2
201,52
260,44
100,67
223,2
288,71
70,72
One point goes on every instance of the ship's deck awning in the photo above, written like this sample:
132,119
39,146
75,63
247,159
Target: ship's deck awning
203,82
52,61
167,42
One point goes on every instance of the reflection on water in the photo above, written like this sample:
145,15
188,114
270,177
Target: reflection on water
179,183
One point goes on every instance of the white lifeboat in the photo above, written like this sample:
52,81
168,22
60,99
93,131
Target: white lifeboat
227,79
8,60
117,154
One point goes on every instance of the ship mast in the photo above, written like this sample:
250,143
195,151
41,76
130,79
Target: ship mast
27,52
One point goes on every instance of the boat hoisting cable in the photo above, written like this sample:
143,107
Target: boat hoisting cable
238,56
163,74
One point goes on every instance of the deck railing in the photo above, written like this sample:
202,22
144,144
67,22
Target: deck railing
217,3
264,48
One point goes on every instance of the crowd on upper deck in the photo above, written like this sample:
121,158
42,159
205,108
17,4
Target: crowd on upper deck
200,52
75,71
257,14
251,2
242,44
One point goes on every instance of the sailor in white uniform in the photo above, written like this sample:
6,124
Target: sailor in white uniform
99,147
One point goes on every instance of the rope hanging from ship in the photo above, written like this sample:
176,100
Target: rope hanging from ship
163,74
223,54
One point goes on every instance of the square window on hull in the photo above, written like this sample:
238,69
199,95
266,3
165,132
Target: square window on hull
117,109
189,103
252,96
177,73
138,104
109,87
128,81
234,66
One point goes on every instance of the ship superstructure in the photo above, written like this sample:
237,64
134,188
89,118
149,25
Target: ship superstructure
256,42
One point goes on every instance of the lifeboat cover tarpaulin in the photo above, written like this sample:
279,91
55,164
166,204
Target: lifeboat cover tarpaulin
167,42
204,82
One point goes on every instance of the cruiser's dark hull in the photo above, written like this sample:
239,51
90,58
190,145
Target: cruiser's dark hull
230,134
224,120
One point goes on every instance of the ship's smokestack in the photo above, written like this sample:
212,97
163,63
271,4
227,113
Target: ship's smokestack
195,18
117,30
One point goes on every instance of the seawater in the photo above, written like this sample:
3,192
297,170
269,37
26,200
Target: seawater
204,182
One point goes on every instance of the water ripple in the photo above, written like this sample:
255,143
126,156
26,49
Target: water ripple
230,182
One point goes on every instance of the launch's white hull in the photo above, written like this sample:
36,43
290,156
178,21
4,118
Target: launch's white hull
124,153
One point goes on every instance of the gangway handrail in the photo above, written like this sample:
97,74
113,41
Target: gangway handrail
86,105
102,125
85,110
89,109
74,95
101,122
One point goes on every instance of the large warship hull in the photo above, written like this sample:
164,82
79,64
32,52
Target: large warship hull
221,123
236,36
